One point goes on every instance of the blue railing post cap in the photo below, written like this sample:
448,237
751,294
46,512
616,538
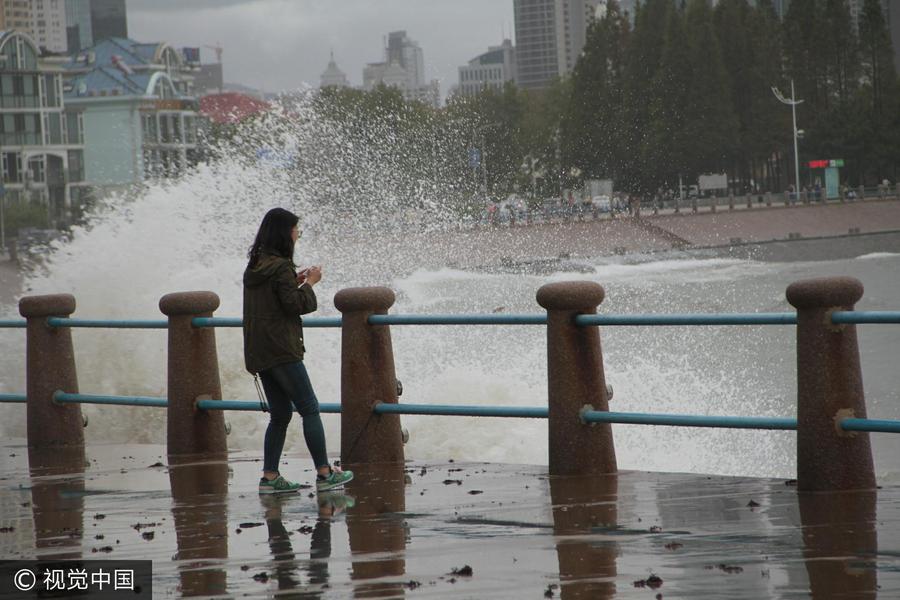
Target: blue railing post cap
372,299
571,295
825,292
188,303
51,305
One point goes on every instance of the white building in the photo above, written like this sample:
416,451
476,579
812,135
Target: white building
49,24
44,21
491,70
404,69
550,36
333,76
41,137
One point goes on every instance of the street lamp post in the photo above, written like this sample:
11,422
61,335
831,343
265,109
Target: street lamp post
793,103
483,154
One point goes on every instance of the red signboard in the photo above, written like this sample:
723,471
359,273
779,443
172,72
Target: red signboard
819,164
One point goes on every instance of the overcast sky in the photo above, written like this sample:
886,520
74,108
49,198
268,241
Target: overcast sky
278,45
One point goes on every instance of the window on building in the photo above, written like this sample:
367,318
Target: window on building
36,169
190,130
176,129
165,135
12,167
54,129
74,128
76,165
148,123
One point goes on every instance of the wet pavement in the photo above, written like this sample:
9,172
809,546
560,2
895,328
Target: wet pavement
448,530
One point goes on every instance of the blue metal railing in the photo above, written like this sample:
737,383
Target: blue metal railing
250,405
238,322
108,324
689,319
524,412
587,320
65,398
594,416
471,319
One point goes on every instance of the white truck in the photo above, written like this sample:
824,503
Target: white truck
712,182
598,187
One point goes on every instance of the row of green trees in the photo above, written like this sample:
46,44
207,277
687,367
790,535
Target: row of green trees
687,90
682,90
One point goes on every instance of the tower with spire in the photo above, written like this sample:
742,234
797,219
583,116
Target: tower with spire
333,76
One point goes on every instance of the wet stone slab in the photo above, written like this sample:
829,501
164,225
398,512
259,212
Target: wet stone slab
439,529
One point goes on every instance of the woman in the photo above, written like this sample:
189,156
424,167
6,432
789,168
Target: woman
275,296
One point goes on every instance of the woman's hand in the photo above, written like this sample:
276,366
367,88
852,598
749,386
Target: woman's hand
313,275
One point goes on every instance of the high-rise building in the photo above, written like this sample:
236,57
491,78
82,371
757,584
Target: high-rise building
490,70
550,36
403,68
16,15
78,25
90,22
108,20
43,20
536,51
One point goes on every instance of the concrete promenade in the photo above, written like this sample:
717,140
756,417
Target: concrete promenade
402,533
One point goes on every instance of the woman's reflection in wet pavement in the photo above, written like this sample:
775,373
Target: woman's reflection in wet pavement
285,565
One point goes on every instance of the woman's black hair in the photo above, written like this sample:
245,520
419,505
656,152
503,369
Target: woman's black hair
274,235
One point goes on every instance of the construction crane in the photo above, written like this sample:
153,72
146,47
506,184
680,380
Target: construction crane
218,49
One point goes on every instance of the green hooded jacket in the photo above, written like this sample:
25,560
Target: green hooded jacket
273,330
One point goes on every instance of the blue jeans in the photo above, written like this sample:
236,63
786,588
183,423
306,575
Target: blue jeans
288,387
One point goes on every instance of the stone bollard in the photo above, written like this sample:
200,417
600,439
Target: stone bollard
787,198
367,378
730,201
713,203
50,367
575,381
862,193
829,388
193,374
768,199
897,194
749,200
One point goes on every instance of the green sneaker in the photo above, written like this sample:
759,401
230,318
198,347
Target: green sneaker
279,485
336,480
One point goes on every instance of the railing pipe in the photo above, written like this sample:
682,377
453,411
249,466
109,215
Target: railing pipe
367,379
13,324
689,319
107,323
251,406
193,374
861,317
575,381
50,366
523,412
144,401
13,398
728,422
472,319
238,322
829,388
874,425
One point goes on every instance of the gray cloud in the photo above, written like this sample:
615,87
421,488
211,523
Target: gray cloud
282,44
